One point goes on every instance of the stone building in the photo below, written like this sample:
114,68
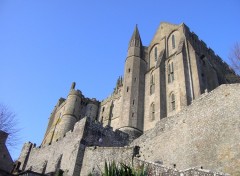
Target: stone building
150,101
6,162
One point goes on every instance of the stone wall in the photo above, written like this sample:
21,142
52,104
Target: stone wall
95,157
67,152
110,109
6,162
159,169
206,134
60,154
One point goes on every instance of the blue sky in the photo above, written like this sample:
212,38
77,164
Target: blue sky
46,45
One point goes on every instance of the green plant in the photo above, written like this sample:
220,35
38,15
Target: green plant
112,169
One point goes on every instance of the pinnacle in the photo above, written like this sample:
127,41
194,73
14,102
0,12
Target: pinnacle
135,39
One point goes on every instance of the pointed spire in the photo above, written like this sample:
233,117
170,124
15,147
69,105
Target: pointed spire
135,39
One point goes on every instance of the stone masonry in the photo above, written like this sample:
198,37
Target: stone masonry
177,100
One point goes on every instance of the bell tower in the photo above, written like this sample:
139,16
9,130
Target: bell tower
133,88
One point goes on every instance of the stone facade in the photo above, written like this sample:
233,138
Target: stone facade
168,103
6,162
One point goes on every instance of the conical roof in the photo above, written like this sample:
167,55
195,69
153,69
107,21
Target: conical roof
135,39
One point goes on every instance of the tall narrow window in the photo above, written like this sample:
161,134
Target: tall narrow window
170,72
173,106
152,84
155,53
173,41
152,111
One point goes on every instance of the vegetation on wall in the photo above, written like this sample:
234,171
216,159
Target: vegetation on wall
113,169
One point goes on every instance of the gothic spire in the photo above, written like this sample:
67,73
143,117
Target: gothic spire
135,39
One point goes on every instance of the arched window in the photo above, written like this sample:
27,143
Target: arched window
152,84
170,72
155,53
173,41
173,102
152,110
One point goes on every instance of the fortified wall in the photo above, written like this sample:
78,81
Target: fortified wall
160,81
67,152
203,134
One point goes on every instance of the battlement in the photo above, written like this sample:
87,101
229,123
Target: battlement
202,49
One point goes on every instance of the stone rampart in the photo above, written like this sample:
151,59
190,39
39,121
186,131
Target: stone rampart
95,158
159,169
204,134
60,154
67,152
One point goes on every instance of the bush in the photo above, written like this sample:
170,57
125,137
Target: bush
112,169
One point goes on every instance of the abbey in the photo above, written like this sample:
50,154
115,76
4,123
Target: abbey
149,107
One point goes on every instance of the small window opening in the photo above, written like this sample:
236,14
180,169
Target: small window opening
152,85
129,70
173,106
132,114
155,53
170,72
103,109
127,89
133,102
135,79
152,111
173,41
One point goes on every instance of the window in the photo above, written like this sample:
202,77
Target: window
173,106
152,84
133,102
129,70
173,41
127,89
152,110
103,109
155,53
132,114
170,72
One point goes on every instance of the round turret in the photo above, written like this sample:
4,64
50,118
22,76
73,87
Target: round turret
70,114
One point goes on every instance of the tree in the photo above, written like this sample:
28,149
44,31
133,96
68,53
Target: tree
8,124
235,58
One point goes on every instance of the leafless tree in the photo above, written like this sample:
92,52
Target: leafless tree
235,58
8,124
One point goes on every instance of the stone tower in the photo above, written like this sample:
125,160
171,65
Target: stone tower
70,114
133,88
65,114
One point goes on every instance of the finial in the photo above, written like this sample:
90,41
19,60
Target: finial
73,85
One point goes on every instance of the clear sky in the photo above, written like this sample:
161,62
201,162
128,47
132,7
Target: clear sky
46,45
